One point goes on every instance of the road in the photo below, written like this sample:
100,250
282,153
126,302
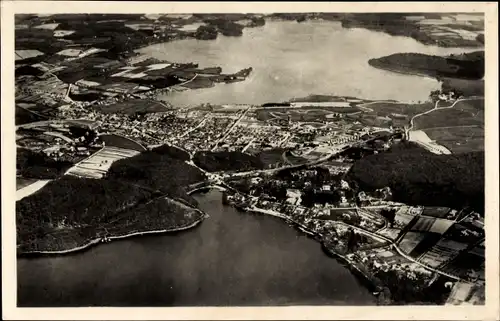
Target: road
412,120
186,82
436,107
201,123
228,131
390,243
248,145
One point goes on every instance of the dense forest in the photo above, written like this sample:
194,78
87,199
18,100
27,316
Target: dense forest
465,66
70,203
30,164
69,212
466,87
227,161
172,152
158,170
419,177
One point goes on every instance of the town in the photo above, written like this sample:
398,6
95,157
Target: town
79,110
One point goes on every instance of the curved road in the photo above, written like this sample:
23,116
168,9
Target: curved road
393,245
436,107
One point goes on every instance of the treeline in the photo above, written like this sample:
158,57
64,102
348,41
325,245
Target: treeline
172,152
404,290
30,164
226,24
466,87
160,213
69,212
80,205
466,66
227,161
419,177
158,170
75,201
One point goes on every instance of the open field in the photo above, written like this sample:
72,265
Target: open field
463,263
321,104
371,119
391,233
24,116
384,113
448,117
443,251
470,105
402,219
460,128
271,156
433,225
389,109
411,241
464,112
459,139
97,165
294,160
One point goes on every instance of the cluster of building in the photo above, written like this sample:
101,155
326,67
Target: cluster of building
151,129
418,244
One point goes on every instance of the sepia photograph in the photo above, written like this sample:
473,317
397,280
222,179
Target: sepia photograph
264,158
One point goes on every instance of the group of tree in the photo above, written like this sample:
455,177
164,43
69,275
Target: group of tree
172,152
70,211
418,177
389,214
160,169
417,290
30,164
355,240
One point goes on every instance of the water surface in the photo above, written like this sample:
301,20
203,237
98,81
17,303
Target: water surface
292,59
232,258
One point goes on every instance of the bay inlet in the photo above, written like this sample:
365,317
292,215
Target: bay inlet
231,258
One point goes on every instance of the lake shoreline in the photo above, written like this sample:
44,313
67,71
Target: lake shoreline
400,71
362,277
276,68
96,241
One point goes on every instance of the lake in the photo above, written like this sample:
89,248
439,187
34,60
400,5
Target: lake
292,59
231,258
